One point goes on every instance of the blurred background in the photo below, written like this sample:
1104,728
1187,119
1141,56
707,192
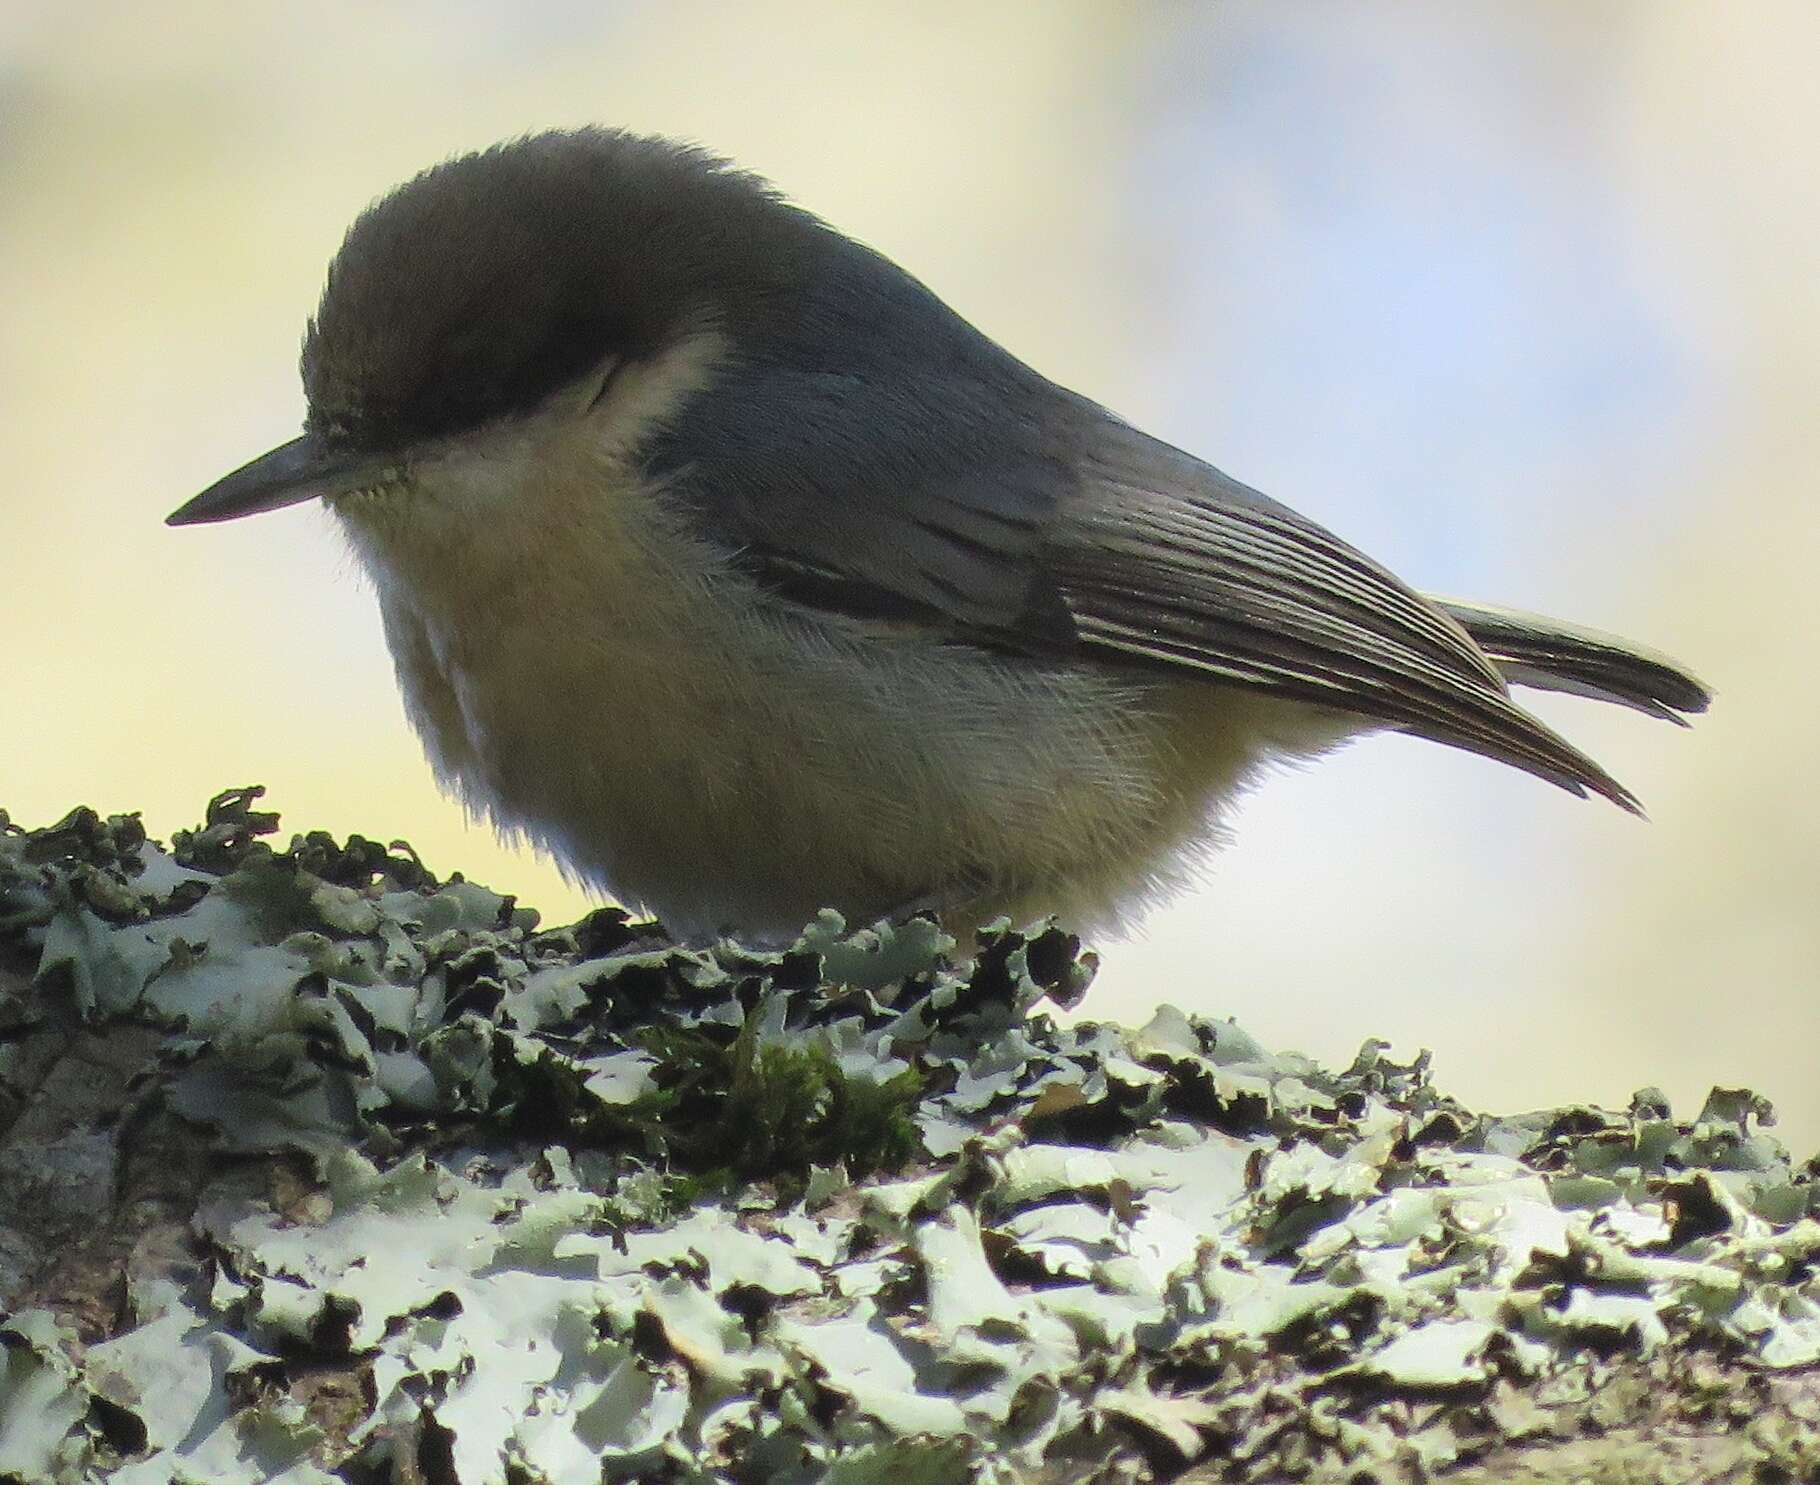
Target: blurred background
1522,298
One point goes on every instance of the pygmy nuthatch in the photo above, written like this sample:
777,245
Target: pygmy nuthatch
727,563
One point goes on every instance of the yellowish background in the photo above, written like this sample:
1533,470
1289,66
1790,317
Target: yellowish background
1522,297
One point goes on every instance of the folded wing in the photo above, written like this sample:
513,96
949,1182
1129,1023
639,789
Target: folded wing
1035,521
1166,560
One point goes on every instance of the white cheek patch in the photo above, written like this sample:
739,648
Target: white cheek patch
606,416
478,478
626,403
479,510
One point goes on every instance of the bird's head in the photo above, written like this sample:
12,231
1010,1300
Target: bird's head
497,283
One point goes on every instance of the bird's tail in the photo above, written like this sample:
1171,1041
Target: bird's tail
1531,650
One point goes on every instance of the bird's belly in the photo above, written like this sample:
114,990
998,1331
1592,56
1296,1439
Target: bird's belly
818,772
588,675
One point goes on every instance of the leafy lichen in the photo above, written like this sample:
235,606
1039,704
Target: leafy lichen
405,1185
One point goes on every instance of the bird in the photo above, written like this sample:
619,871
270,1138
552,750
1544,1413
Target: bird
724,562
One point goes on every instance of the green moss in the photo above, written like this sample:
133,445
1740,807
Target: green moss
755,1109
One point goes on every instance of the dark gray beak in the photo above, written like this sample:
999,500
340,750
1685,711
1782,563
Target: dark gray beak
303,469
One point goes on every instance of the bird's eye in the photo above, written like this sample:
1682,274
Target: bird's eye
607,373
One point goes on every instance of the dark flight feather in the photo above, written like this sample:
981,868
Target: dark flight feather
1550,655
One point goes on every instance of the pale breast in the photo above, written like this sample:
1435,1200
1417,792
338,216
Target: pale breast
587,674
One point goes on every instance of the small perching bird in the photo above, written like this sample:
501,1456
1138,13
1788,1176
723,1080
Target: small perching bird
724,561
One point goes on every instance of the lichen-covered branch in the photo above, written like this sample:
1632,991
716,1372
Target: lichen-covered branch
318,1168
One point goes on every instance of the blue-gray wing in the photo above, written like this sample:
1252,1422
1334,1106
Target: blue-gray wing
1164,559
873,455
1111,544
841,493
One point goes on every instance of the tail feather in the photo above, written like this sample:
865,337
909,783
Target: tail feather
1549,655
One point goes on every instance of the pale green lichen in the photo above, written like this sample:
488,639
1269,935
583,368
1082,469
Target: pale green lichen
583,1204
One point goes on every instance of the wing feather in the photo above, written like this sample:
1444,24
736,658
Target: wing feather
987,506
1553,655
1166,560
